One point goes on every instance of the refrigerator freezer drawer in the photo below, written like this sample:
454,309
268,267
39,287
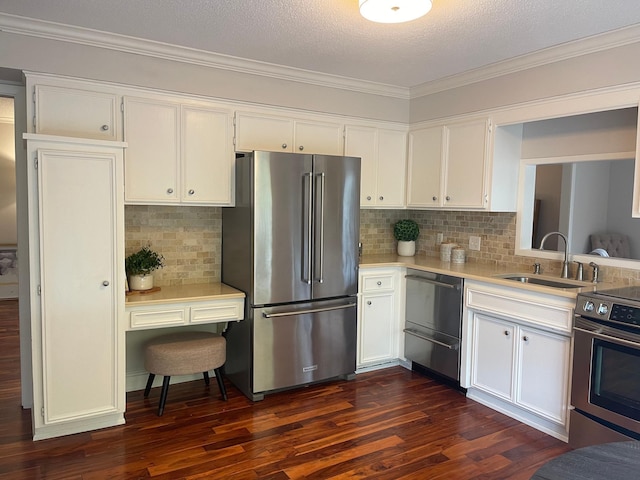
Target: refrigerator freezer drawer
296,345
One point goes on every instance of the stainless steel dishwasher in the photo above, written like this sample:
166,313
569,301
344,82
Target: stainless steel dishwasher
433,322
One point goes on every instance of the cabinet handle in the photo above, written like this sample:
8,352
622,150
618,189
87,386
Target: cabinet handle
379,283
284,145
192,191
301,147
381,197
368,302
105,127
448,198
507,333
105,283
525,338
434,198
169,191
368,198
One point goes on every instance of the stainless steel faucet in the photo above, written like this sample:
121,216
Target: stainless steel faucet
565,264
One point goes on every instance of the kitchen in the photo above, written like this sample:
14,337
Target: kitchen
375,223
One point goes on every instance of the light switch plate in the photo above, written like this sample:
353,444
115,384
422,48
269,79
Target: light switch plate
439,238
474,243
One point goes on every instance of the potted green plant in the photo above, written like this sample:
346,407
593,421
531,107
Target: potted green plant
140,266
406,232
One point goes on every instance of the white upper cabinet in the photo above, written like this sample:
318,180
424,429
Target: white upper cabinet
448,166
271,133
73,112
177,153
383,152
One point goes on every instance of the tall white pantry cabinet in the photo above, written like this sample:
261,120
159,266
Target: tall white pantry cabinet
76,262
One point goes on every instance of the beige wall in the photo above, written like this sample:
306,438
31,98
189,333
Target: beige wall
616,66
50,56
8,224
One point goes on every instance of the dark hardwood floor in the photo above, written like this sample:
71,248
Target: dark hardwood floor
388,424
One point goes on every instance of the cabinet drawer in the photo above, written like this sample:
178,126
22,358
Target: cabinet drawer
221,312
378,282
157,318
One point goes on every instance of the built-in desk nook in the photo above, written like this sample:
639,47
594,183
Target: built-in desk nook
202,307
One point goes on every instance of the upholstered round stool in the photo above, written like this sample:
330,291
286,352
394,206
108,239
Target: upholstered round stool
184,353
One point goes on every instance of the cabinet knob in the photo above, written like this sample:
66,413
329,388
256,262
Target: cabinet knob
434,198
525,338
448,198
169,191
192,191
381,197
507,333
105,283
301,147
368,302
104,127
284,145
368,197
379,283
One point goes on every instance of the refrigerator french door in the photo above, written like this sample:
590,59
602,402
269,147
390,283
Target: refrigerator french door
291,244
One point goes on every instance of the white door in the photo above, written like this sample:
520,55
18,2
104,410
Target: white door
207,156
263,132
318,137
152,156
543,366
425,167
493,356
377,332
79,215
362,142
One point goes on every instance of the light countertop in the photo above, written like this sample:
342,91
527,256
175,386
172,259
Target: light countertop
478,271
184,293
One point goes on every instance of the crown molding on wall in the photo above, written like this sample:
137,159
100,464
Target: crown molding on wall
66,33
565,51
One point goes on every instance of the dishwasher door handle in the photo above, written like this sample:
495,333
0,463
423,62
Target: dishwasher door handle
418,278
429,339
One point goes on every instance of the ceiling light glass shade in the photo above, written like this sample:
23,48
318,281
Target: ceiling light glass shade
394,11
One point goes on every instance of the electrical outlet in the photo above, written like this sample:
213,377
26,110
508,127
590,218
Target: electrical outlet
439,238
474,243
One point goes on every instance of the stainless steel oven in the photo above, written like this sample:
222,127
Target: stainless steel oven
605,390
433,314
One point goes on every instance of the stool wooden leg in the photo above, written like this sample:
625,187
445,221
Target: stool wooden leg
163,395
223,391
205,375
147,389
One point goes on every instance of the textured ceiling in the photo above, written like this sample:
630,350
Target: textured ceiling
329,36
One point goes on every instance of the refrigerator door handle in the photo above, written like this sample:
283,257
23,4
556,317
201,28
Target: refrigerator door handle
320,266
309,243
310,310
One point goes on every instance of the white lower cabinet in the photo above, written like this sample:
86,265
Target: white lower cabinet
379,322
76,257
511,363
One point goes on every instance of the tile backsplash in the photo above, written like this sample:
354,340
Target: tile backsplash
190,238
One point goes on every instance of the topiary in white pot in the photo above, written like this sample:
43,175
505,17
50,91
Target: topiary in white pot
140,266
406,232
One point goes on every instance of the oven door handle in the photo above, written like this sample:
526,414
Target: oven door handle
596,333
429,339
418,278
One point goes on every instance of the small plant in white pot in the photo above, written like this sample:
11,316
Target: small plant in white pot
406,232
140,267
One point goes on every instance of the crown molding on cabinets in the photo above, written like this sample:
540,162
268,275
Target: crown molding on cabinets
95,38
565,51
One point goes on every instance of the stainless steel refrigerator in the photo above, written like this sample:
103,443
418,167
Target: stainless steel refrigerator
291,244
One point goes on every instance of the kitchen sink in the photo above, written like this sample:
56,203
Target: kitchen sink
544,281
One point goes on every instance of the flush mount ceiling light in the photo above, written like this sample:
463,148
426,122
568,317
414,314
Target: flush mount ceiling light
394,11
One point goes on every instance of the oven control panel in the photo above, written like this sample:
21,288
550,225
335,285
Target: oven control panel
598,308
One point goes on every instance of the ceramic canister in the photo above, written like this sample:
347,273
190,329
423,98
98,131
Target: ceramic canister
445,251
458,255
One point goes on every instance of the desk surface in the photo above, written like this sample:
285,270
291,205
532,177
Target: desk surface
185,293
618,460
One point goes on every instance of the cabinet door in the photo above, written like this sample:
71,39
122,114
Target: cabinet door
152,154
207,156
425,168
362,142
493,356
263,132
80,231
465,164
392,161
543,380
377,329
76,113
318,137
